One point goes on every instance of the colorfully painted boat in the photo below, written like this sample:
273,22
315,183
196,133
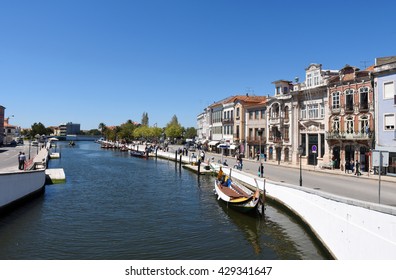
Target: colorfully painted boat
237,196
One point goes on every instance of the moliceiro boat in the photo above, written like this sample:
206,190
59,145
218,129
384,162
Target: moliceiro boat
236,195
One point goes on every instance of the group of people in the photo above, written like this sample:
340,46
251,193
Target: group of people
223,179
353,167
21,161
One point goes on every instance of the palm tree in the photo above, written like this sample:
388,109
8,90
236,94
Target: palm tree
102,127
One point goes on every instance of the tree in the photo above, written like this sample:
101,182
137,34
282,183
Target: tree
145,119
102,127
173,129
191,132
38,128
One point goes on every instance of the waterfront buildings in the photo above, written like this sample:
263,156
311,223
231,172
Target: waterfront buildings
385,108
331,116
68,129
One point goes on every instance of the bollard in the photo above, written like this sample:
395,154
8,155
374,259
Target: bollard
261,170
199,167
180,160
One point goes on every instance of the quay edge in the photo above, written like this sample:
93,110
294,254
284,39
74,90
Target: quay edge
18,187
348,229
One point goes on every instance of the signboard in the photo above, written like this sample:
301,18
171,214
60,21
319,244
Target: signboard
377,158
314,149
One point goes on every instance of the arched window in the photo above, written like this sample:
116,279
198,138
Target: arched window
336,100
349,100
349,125
363,104
336,125
364,124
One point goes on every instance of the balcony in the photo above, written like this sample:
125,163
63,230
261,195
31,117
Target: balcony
276,120
336,110
228,121
348,136
255,140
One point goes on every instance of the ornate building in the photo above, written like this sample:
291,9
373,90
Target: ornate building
351,117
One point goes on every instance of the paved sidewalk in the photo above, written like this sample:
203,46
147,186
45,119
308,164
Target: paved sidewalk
365,175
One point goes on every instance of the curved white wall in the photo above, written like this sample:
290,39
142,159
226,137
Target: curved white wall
349,228
14,186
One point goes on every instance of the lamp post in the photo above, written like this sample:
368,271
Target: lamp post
300,152
260,133
37,136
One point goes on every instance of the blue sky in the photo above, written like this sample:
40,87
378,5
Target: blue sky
93,61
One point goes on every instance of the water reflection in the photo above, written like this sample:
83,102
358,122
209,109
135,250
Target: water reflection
113,206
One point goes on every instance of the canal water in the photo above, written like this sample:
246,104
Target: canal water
116,207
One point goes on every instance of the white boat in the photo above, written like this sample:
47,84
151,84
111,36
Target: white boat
237,196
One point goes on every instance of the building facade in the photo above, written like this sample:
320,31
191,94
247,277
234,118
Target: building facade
385,108
279,123
69,129
351,118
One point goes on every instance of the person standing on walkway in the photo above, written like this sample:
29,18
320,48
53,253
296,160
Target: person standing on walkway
23,160
357,170
20,161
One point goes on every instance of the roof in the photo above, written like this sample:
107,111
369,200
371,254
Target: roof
243,98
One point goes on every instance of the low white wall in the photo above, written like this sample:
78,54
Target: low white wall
14,186
349,228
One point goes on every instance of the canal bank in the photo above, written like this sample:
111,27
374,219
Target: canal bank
350,229
19,186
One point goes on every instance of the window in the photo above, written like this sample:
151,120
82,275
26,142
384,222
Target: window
336,125
257,114
349,100
237,112
262,114
278,90
285,90
322,112
364,125
336,100
364,98
389,90
309,80
349,125
303,112
389,122
313,112
251,115
316,78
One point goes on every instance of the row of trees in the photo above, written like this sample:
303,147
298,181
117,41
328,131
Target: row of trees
132,131
129,131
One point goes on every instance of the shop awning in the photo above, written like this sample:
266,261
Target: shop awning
213,143
232,147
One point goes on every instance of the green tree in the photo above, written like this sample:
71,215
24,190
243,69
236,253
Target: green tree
173,129
38,128
102,127
126,131
191,132
145,119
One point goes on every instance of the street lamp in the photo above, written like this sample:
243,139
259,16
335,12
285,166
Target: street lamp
300,152
260,133
37,136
